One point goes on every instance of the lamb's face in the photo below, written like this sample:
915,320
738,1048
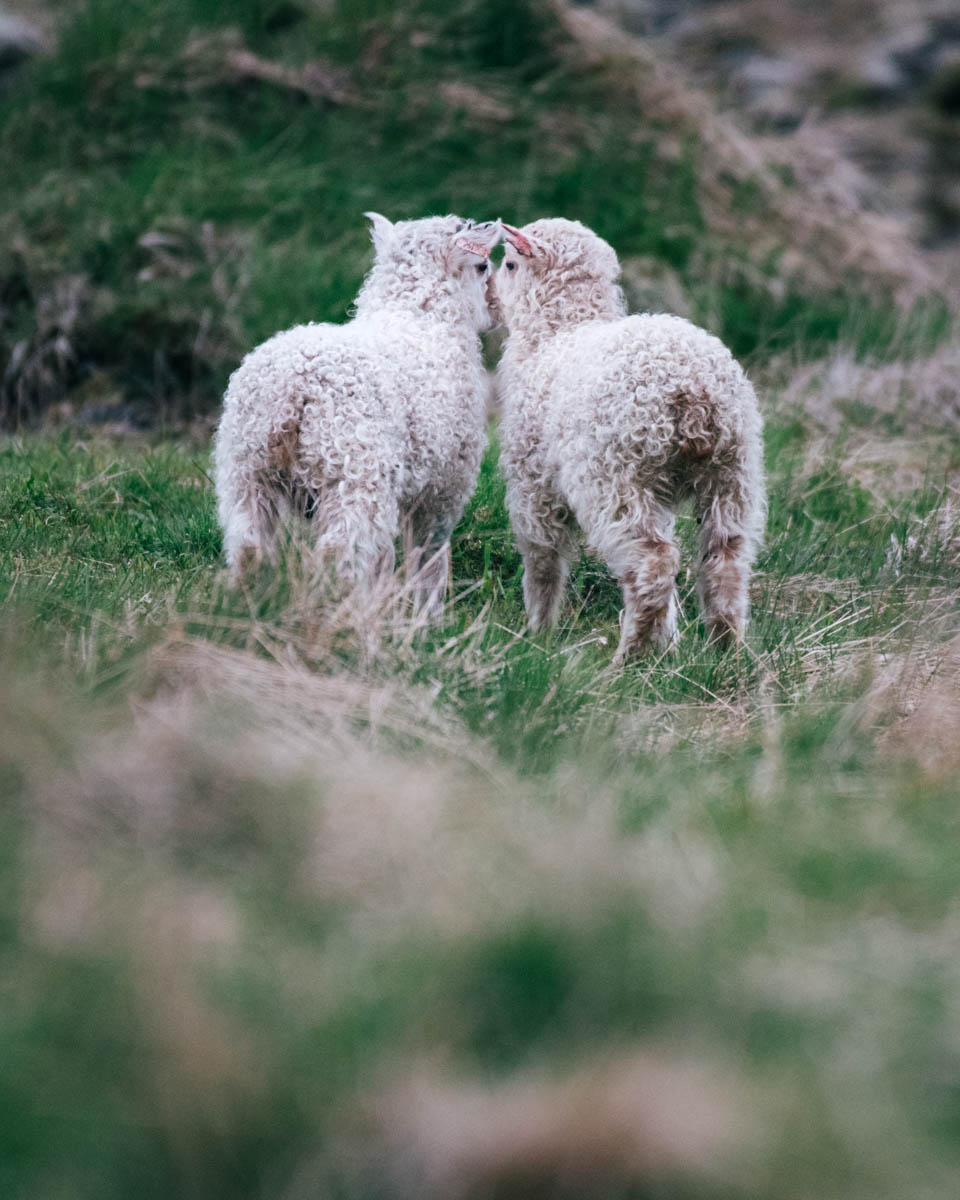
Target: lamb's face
437,257
556,271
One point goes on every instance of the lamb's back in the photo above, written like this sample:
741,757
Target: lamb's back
290,369
643,374
646,355
318,397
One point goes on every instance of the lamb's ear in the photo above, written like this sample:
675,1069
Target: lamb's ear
381,231
519,241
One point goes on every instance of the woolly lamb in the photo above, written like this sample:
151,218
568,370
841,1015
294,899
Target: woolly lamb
610,421
364,426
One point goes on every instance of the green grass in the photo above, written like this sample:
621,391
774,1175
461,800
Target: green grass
165,212
267,875
808,843
91,528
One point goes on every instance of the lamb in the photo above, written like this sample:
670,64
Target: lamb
610,421
371,425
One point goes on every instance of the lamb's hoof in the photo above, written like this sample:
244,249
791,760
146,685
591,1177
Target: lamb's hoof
659,638
633,652
725,634
243,567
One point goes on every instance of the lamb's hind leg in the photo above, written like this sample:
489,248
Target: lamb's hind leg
432,571
645,560
722,584
730,521
253,495
545,534
544,575
647,576
249,516
428,557
546,554
356,531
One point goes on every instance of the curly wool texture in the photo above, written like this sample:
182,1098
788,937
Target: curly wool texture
609,422
367,425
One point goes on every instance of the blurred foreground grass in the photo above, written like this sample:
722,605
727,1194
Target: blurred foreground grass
303,900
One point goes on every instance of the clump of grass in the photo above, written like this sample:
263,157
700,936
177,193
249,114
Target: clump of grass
107,533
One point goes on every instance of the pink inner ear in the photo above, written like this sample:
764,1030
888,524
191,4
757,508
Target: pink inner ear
474,247
519,241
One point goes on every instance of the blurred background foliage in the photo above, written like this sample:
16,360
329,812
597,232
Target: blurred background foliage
183,177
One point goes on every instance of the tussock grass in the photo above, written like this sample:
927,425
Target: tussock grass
306,898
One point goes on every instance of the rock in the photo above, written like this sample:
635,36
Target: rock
652,286
19,40
876,71
778,111
898,67
773,90
945,86
915,51
762,71
476,103
649,18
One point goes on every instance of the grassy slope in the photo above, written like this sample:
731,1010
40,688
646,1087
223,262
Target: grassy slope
288,887
166,208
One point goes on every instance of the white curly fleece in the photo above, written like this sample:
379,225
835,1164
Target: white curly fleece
609,421
367,425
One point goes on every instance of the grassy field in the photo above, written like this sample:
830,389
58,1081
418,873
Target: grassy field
303,899
299,898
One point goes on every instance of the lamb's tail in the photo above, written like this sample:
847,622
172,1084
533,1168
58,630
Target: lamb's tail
257,454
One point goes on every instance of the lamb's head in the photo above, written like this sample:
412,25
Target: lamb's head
437,265
555,273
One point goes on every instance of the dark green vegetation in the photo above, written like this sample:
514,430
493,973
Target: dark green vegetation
184,178
299,898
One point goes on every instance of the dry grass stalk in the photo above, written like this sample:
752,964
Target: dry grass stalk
922,390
